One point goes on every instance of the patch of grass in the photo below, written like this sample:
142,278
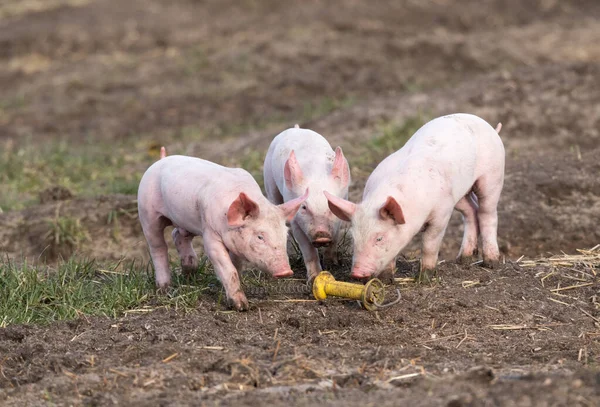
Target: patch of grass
119,185
324,107
87,169
114,220
65,235
97,167
31,294
253,162
390,137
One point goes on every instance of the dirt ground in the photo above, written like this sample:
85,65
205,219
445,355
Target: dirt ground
145,72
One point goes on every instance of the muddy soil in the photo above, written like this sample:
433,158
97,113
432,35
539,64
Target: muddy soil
475,338
241,72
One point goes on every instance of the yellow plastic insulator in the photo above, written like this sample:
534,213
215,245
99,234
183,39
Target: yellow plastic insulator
371,295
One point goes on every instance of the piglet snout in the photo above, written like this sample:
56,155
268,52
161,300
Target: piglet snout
321,238
283,273
359,273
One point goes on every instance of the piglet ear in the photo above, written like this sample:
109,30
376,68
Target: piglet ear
292,172
340,207
290,208
241,210
391,210
340,171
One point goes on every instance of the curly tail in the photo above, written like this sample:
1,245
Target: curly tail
498,128
163,152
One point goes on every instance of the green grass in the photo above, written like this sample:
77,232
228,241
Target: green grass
392,136
37,294
97,167
30,294
86,169
389,137
65,235
325,106
253,162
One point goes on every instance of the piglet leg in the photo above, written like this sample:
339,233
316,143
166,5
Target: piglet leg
468,208
309,253
154,233
183,242
432,241
226,272
488,193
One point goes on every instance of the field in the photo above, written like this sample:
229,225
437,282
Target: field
90,90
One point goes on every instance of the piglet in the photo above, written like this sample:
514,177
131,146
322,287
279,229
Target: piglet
226,207
298,159
452,162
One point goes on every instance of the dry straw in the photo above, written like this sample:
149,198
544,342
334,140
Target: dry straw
588,259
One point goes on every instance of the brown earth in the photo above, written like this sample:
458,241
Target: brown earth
445,344
241,72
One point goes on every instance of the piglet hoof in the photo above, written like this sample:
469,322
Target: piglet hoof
490,264
239,302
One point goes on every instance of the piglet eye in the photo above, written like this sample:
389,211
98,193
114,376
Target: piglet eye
303,207
260,237
380,238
